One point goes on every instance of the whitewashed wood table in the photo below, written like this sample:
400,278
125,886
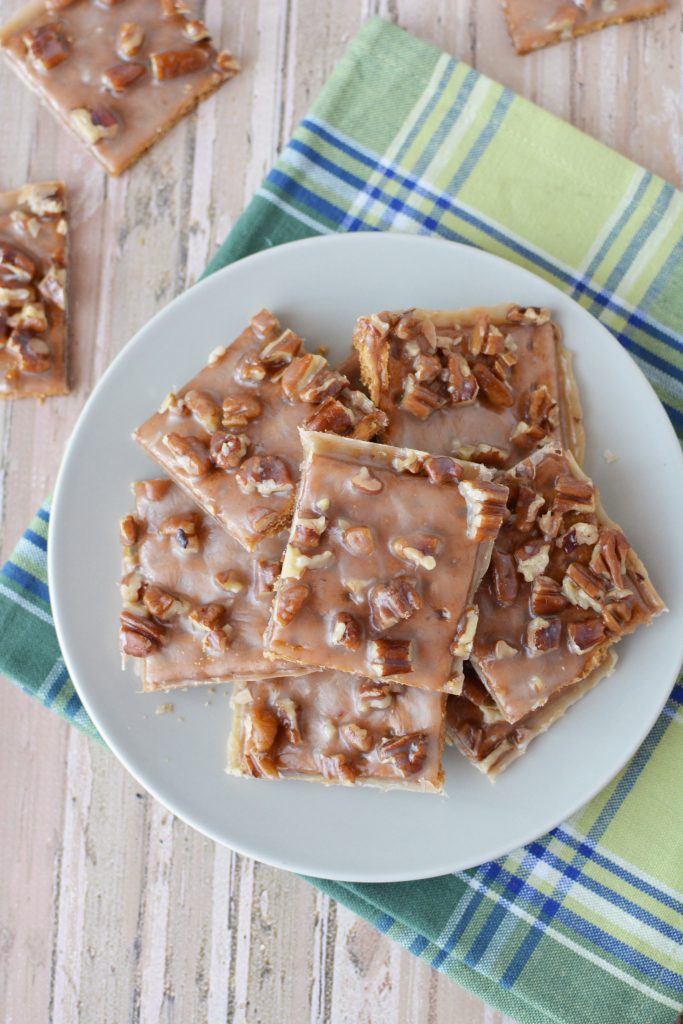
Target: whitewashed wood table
111,910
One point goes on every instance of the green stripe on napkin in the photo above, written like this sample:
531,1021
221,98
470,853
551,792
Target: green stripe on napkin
584,926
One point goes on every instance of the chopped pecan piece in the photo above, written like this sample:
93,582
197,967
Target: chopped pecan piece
33,354
365,481
205,411
130,38
226,450
13,296
196,30
426,368
266,575
486,507
337,768
358,540
373,695
189,454
208,616
549,524
503,363
392,601
420,400
504,578
216,641
120,76
264,324
310,379
527,507
583,588
183,530
128,529
609,555
547,597
330,416
542,407
239,409
226,63
419,550
155,490
260,766
442,469
261,726
46,46
174,63
616,615
543,635
286,711
461,645
250,369
346,631
308,530
282,350
584,636
132,588
535,315
527,435
262,519
136,644
407,752
15,265
572,495
265,474
290,599
42,198
497,391
532,559
161,604
502,649
357,737
487,454
53,286
94,124
152,631
576,535
31,317
229,581
390,657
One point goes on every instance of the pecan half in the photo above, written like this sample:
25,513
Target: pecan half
543,635
357,737
547,597
226,450
390,657
281,350
46,46
174,63
419,400
609,556
265,475
33,354
144,627
309,378
266,575
308,530
203,408
583,588
616,615
441,469
504,578
532,559
346,631
290,599
261,728
486,507
366,482
374,696
497,391
190,455
330,417
238,410
392,601
226,63
136,644
584,636
250,369
130,38
358,540
461,645
94,124
572,495
407,752
120,76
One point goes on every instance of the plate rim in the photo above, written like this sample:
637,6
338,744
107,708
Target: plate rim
138,339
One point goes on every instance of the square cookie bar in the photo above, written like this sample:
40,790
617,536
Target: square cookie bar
479,731
533,24
483,384
118,73
230,438
33,291
386,550
335,728
564,584
195,603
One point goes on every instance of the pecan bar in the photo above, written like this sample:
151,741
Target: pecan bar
118,73
488,385
386,551
564,584
33,291
533,24
195,603
229,437
479,731
335,728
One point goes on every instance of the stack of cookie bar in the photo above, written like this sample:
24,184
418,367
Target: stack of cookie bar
383,556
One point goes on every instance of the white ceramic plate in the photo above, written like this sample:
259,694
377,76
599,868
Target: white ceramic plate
318,287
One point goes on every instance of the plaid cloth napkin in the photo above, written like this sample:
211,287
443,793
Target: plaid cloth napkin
584,926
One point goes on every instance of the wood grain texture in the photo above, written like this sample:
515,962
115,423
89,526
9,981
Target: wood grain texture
112,910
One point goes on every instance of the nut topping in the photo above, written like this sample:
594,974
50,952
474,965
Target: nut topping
130,38
532,559
190,455
616,615
407,752
226,450
208,616
504,578
346,631
366,482
128,529
426,368
95,124
216,641
148,630
572,495
583,588
609,556
262,520
487,454
543,635
174,63
576,535
42,198
265,474
527,435
196,30
289,601
261,726
337,768
120,76
357,737
282,350
527,507
238,410
547,597
161,604
264,324
229,581
131,588
250,369
33,354
46,46
374,695
330,417
420,400
502,649
308,530
461,645
390,657
286,711
534,315
486,506
392,601
584,636
419,550
205,411
441,469
358,540
266,575
497,391
542,407
31,317
15,265
183,530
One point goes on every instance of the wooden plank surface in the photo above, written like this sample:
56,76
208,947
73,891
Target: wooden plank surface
111,909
